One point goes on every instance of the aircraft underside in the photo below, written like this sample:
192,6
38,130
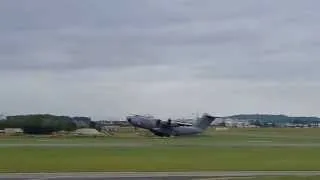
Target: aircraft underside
161,134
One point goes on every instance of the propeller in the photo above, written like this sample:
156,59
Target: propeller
158,123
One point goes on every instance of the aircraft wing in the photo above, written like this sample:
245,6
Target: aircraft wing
182,123
170,123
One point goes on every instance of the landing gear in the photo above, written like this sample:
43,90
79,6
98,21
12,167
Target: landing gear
161,134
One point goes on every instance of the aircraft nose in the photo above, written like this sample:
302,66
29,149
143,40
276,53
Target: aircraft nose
131,120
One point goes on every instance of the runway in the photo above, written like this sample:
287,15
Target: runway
152,175
229,144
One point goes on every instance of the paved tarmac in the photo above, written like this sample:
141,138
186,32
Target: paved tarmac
151,175
229,144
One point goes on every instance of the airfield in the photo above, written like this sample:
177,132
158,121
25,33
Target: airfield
237,153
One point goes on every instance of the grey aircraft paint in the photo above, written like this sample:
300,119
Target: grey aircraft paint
169,128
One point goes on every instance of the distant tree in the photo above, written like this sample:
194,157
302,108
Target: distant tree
39,124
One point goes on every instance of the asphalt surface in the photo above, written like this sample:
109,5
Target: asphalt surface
152,175
236,144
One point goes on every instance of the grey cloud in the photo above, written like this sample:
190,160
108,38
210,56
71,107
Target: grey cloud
141,50
249,38
263,71
101,34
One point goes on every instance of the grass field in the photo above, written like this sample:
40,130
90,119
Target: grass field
248,136
166,154
45,159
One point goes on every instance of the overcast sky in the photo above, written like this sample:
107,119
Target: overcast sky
169,58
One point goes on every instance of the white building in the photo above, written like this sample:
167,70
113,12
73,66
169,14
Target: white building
13,131
2,117
87,132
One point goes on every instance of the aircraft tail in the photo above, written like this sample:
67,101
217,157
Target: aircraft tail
205,121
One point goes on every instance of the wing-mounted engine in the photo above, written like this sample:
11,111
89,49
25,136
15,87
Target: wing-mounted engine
169,122
158,123
164,124
163,128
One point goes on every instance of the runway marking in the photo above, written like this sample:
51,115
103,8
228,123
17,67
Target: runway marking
256,141
226,178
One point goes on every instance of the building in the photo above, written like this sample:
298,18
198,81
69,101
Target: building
13,131
113,123
87,132
2,117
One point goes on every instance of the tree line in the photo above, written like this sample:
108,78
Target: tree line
46,123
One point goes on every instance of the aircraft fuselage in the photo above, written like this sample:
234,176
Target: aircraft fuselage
167,129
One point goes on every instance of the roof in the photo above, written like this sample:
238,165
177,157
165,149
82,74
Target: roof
87,131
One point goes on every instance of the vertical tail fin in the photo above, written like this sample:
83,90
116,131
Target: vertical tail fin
205,121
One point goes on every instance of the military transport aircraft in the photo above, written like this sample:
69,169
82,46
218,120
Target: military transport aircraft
169,128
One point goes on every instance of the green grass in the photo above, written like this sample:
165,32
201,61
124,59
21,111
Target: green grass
166,154
231,135
44,159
